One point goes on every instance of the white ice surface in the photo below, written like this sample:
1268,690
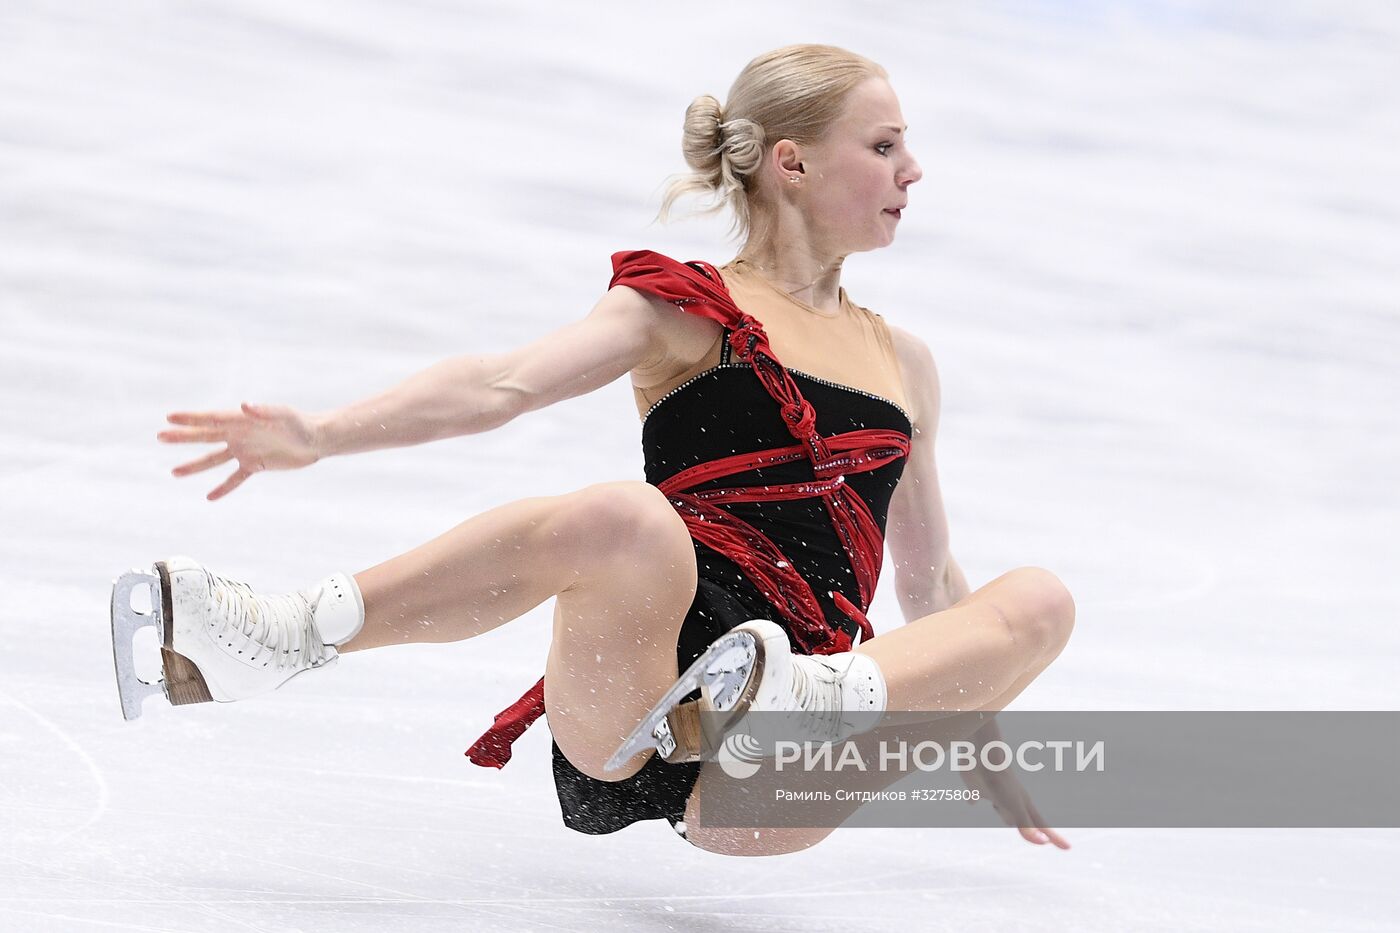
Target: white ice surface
1155,253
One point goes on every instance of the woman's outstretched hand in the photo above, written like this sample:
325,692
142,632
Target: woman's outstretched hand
1012,804
259,437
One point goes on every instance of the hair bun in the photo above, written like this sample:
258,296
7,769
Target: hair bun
741,142
700,140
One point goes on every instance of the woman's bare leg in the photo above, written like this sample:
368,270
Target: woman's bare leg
615,629
975,656
490,569
982,652
622,565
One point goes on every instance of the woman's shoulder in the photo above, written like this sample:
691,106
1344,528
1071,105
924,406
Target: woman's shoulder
913,352
893,335
918,371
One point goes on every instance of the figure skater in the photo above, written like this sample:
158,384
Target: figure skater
786,430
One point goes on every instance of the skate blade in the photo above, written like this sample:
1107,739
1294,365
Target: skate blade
125,623
731,651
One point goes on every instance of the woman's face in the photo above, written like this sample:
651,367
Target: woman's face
858,177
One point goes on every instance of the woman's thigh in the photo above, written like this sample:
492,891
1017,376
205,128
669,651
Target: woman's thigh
613,651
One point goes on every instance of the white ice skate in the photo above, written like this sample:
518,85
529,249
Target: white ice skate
752,668
219,641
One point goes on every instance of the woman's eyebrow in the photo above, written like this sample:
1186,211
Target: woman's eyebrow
891,126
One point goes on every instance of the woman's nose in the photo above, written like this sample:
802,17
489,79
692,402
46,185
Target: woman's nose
912,172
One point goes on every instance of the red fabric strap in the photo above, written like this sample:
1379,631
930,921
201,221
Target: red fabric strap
705,294
492,750
760,560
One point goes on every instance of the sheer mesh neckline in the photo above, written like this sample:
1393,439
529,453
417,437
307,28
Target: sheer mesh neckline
751,271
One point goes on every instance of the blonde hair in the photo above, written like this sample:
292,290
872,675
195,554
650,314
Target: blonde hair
795,93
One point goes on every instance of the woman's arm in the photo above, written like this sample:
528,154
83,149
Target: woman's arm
473,393
463,395
927,579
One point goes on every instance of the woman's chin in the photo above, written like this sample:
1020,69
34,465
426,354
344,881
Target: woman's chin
880,243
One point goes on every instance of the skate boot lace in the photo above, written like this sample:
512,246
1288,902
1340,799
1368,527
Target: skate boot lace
281,626
816,690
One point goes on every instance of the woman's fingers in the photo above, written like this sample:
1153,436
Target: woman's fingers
203,463
1015,808
1053,836
227,427
229,485
193,436
203,418
1040,835
200,427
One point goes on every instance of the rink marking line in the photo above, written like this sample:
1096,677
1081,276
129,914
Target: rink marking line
434,811
400,897
526,901
104,923
583,903
538,924
100,807
853,882
454,878
512,834
197,906
402,778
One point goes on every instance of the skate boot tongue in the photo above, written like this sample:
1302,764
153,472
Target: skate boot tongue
828,703
824,698
284,626
815,710
338,608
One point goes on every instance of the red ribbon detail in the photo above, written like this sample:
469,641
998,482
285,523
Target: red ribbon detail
492,750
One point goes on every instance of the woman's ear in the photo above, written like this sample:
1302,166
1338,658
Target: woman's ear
787,157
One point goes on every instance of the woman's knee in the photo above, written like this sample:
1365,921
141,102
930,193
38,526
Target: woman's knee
588,754
1047,608
624,519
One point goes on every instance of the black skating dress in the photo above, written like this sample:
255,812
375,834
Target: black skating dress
803,521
